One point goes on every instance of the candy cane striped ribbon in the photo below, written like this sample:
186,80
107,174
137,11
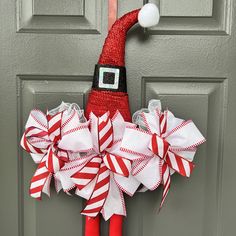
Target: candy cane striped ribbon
179,164
176,162
165,182
117,164
54,126
42,144
53,162
38,181
163,122
160,147
36,133
99,195
83,177
105,132
99,167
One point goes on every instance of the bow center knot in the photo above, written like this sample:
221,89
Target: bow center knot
55,160
159,146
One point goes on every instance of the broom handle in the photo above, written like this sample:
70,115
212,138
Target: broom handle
92,226
115,228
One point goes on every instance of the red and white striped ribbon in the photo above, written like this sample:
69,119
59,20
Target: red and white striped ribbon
53,162
83,177
163,122
54,126
160,147
105,132
172,140
100,166
117,164
36,133
100,192
41,139
38,181
179,164
165,182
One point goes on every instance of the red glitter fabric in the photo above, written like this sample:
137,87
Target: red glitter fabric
113,52
100,102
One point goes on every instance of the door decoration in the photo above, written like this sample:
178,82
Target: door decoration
105,154
52,140
160,146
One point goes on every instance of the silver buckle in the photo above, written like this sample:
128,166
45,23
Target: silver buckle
115,71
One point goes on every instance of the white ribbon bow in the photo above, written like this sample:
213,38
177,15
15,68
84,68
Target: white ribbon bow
162,145
103,175
52,140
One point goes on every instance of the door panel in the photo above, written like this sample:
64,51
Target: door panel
194,17
75,16
45,217
193,202
48,50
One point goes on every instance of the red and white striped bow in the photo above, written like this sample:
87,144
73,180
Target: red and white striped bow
51,140
106,174
161,146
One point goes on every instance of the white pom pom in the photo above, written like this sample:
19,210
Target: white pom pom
149,15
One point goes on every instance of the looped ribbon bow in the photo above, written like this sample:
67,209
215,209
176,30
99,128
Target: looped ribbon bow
161,146
51,140
105,175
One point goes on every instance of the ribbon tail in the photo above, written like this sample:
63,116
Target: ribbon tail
46,187
95,204
165,182
40,181
179,164
115,203
58,185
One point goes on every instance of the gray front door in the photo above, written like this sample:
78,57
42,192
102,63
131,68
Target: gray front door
48,50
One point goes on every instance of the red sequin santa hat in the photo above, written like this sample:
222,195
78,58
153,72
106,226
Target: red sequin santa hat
109,90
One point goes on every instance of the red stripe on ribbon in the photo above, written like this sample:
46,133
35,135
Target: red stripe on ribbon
105,137
154,144
83,177
123,166
100,192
